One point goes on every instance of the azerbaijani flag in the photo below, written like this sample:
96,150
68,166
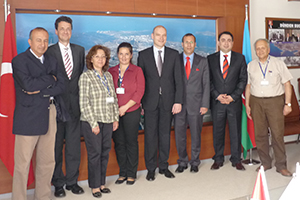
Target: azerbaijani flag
248,136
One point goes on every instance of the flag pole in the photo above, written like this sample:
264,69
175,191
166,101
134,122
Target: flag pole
5,10
249,161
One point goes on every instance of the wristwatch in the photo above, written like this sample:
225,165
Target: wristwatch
288,104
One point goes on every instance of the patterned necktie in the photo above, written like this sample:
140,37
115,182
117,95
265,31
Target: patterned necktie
188,67
225,66
159,63
68,64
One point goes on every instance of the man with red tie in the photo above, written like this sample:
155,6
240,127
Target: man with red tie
228,78
195,104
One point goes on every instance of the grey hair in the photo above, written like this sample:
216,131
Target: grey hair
262,39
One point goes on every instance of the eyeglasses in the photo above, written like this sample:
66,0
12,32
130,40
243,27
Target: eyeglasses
99,57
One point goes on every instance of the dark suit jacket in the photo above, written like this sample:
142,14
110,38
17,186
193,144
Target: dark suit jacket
71,94
31,116
236,80
197,88
171,81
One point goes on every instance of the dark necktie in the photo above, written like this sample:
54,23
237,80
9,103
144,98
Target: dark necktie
188,67
225,66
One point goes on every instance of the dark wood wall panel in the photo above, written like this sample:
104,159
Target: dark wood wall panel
36,4
214,8
75,5
179,7
153,6
117,5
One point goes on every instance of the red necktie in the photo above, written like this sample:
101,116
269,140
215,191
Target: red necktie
225,67
188,67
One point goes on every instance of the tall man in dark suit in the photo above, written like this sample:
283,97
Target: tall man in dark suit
195,103
37,80
228,78
70,59
163,97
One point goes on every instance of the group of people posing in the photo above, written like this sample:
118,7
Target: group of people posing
56,100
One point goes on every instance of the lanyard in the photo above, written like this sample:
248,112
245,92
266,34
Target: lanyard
121,78
103,82
264,72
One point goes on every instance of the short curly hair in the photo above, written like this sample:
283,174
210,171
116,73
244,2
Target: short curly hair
92,52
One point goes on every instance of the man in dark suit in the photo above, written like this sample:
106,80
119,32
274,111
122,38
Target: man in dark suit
228,78
195,103
70,59
37,80
163,97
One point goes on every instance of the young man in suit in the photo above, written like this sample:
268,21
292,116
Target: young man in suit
228,78
70,59
196,97
163,97
37,80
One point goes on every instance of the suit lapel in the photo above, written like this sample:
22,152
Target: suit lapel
35,60
231,66
218,67
152,61
58,55
75,58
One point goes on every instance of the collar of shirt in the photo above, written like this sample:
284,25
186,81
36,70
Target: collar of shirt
155,50
62,50
222,59
41,59
191,59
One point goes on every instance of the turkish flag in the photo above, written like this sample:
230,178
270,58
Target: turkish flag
7,101
260,191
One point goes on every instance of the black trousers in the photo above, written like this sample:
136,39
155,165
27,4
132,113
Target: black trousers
70,133
126,143
233,114
98,147
157,137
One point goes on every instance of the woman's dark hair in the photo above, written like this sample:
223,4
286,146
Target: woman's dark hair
125,45
92,52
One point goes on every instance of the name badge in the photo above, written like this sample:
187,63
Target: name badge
264,83
120,90
110,100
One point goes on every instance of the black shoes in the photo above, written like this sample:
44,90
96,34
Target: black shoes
194,169
59,192
150,176
239,166
180,169
167,173
216,166
105,190
130,181
96,194
120,180
76,189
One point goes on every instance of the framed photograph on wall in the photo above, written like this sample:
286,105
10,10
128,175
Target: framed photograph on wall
284,37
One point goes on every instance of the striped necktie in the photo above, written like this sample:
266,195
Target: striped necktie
225,66
68,64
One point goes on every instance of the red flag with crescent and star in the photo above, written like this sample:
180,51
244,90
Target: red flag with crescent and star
7,101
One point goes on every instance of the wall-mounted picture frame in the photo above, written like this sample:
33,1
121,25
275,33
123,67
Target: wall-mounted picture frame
284,37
